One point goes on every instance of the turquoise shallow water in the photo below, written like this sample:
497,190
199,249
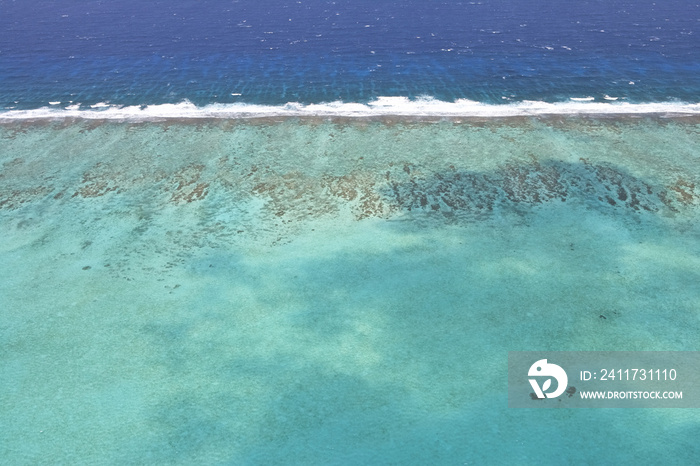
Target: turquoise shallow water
337,292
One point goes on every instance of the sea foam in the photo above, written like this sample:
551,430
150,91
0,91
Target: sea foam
382,106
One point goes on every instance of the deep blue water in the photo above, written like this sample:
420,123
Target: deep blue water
139,53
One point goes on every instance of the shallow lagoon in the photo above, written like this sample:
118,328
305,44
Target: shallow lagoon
337,291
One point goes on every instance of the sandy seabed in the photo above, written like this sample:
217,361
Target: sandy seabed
338,291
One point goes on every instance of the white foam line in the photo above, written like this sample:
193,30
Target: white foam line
383,106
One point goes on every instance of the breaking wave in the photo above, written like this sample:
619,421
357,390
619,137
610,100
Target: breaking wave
382,106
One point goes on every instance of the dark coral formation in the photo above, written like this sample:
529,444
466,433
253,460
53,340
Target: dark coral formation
685,191
97,182
400,187
368,188
518,185
15,198
410,188
188,187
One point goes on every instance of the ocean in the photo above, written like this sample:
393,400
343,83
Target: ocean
311,232
245,52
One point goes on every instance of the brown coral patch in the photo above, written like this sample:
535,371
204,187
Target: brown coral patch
95,189
189,188
15,198
198,193
359,190
370,205
344,187
623,189
532,184
97,182
685,191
